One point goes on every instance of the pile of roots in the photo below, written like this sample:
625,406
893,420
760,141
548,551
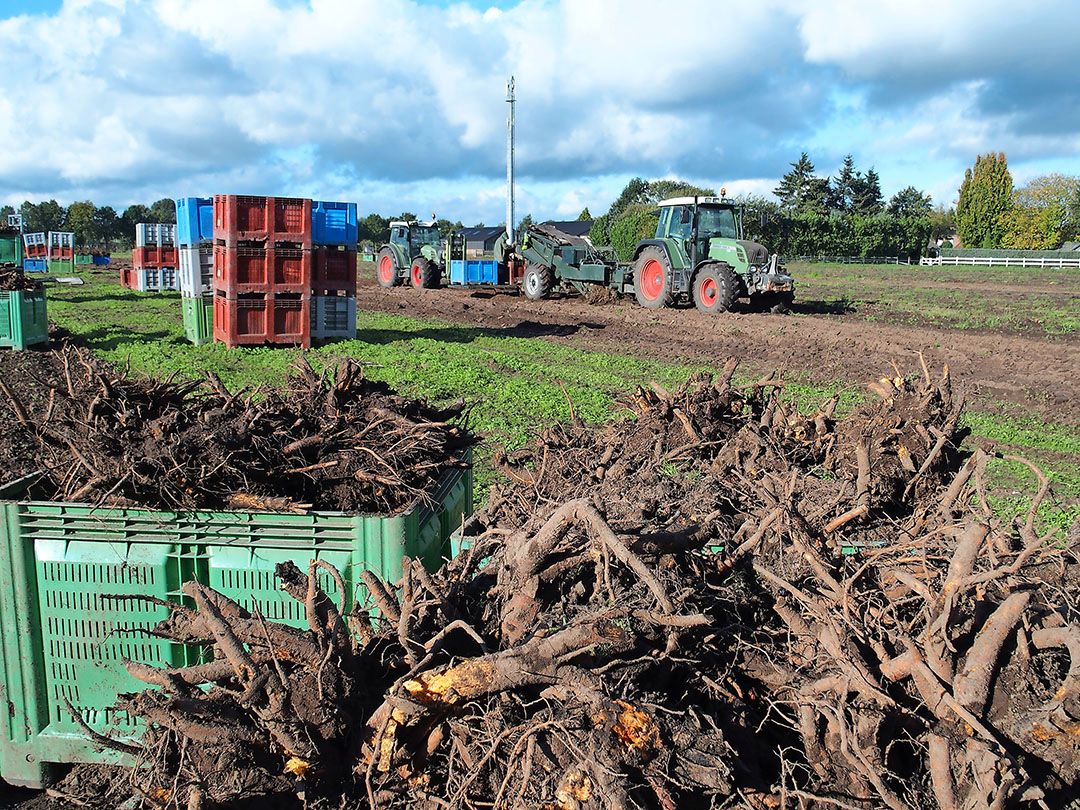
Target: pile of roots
332,440
714,601
13,279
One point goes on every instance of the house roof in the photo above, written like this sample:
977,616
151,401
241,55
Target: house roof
481,234
574,227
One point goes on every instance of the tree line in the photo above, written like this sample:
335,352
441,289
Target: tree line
375,228
94,226
847,214
812,215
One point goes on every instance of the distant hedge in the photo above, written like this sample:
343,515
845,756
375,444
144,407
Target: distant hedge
987,253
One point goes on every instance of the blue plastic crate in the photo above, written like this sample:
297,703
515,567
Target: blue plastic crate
334,223
101,260
194,220
35,265
475,271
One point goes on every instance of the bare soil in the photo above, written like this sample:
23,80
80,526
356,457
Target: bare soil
1037,373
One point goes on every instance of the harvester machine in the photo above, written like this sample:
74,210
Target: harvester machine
558,261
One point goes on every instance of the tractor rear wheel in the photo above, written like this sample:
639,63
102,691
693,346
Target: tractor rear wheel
537,282
386,269
652,278
715,287
424,273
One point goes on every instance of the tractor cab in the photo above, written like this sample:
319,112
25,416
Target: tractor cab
413,237
700,226
699,254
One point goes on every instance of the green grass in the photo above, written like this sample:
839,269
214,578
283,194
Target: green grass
515,385
1039,302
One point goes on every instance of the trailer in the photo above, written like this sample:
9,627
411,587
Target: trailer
555,260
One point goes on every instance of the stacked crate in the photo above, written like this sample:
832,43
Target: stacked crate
35,252
153,262
262,270
195,249
61,251
333,289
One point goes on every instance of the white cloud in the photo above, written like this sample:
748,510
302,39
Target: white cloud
401,105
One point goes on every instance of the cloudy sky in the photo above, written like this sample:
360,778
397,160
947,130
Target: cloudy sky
399,104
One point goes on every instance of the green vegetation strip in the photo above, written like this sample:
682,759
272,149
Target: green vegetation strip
517,385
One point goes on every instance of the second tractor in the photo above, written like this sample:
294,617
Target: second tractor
413,255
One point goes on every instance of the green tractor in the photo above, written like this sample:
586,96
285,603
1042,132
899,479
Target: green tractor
699,254
413,254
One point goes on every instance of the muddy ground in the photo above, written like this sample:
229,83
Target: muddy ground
813,343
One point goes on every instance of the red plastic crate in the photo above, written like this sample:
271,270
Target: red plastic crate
252,268
155,256
238,218
335,269
127,277
255,319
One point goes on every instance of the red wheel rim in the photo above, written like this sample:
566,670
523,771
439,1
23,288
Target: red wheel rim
417,279
386,269
652,279
709,291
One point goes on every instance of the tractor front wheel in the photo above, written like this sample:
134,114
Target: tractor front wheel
715,288
652,278
537,282
424,273
386,269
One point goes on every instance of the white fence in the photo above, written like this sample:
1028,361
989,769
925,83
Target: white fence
848,259
999,261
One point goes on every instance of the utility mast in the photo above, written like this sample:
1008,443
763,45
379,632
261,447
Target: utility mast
510,163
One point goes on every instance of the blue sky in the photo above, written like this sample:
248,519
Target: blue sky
399,104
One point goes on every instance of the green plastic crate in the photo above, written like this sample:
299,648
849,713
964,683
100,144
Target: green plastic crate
23,319
11,248
62,636
199,319
61,266
83,259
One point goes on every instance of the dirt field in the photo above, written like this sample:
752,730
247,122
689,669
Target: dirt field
823,339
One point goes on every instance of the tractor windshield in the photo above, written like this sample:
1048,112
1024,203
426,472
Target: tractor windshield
426,236
717,222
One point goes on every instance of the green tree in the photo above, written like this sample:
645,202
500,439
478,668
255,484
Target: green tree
79,220
446,227
598,233
106,227
801,191
10,209
843,185
163,211
942,223
45,216
762,220
666,189
584,216
132,216
985,198
1030,228
374,228
1041,213
1074,214
636,192
634,224
525,222
910,202
867,197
